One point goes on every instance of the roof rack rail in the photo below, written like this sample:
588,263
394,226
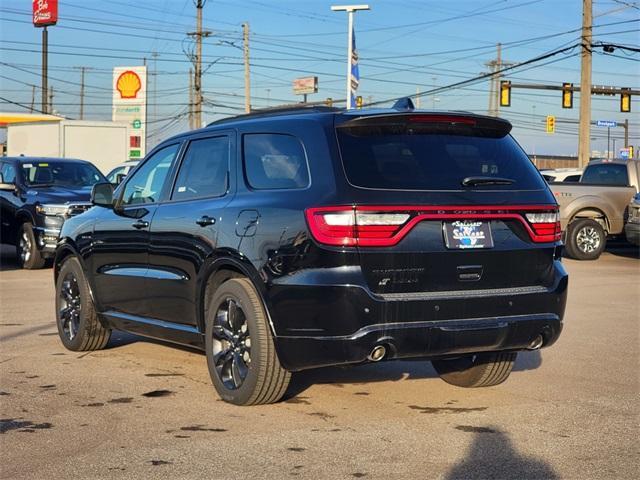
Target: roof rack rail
279,110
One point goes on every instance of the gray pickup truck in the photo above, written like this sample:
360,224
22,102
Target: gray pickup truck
596,206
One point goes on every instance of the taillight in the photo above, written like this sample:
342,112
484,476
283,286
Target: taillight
385,226
545,226
339,226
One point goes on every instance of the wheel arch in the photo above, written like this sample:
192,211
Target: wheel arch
65,250
593,213
220,270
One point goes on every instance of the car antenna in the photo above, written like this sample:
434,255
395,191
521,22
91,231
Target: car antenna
404,103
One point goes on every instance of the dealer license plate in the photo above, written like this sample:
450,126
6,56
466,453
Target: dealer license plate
461,234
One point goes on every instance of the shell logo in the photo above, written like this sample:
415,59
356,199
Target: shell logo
128,84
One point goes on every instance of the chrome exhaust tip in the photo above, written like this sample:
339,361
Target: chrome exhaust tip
536,343
378,353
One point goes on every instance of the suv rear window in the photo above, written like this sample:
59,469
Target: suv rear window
415,157
606,174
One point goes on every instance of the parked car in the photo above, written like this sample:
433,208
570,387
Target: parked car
569,175
632,227
596,206
37,195
116,175
294,239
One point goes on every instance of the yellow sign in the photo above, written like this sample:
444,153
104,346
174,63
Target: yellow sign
551,124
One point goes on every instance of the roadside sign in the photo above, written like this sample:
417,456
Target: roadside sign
625,153
45,12
305,85
606,123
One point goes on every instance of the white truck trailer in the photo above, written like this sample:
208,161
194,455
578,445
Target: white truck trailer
105,144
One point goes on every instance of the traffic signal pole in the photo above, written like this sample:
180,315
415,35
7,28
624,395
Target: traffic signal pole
584,133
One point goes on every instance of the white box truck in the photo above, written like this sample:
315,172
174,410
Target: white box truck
105,144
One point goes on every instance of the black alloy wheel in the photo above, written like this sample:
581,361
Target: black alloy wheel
241,355
70,306
231,344
78,324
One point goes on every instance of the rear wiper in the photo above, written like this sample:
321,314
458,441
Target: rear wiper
471,181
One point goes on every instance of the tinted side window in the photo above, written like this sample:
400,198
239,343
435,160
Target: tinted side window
145,186
606,174
203,172
274,161
572,179
8,173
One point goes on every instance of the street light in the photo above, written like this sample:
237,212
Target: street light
349,9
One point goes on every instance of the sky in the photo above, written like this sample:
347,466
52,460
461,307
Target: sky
404,47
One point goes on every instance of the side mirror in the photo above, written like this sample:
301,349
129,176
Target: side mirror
6,187
120,177
102,195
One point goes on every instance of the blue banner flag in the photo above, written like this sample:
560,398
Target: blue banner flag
355,71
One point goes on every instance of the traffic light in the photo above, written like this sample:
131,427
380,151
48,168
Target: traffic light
567,95
505,93
625,100
329,102
551,124
358,101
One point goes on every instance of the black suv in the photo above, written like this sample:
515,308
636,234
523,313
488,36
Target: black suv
36,196
289,240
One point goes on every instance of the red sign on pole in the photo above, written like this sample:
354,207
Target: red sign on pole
45,12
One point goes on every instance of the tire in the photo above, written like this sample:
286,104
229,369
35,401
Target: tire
28,255
78,324
480,370
586,239
241,356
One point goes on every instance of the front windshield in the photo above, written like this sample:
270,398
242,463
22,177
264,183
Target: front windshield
64,174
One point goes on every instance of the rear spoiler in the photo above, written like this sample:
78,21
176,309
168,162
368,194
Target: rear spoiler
424,122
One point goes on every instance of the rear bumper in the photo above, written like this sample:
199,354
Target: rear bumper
632,232
418,326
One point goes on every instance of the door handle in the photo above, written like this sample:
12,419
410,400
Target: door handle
140,224
206,220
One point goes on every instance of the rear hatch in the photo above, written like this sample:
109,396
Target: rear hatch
441,203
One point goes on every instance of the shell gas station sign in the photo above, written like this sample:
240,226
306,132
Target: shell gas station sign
130,106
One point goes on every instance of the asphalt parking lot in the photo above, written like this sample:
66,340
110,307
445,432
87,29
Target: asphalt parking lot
144,409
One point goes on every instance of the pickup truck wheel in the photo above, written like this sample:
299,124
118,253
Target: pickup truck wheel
586,239
78,324
480,370
28,254
241,355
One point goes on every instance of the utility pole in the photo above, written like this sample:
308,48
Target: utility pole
50,109
82,69
349,9
33,97
418,97
584,129
197,79
247,76
45,67
190,99
494,87
625,125
155,55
